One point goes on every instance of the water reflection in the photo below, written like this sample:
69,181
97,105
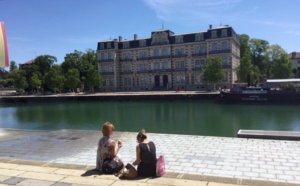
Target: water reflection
180,117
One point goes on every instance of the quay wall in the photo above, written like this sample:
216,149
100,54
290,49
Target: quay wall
108,97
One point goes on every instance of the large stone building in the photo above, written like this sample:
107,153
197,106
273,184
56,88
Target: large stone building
295,58
167,60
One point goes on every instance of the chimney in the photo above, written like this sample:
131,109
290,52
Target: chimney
294,55
135,36
120,38
210,26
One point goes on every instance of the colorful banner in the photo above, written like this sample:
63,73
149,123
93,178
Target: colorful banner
3,47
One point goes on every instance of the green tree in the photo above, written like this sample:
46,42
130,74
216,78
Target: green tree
44,63
244,45
12,66
54,79
281,68
72,61
20,81
247,68
72,79
93,78
213,71
36,81
258,48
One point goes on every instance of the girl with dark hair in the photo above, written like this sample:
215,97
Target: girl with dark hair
145,156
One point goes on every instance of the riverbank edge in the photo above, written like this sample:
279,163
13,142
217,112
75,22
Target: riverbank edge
175,175
120,96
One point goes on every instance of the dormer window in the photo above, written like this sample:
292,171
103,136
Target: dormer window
199,37
126,45
108,45
102,46
178,39
224,33
164,41
142,43
214,34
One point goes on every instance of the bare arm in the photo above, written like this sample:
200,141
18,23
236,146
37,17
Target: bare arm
138,158
114,151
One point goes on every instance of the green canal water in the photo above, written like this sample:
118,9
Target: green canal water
178,117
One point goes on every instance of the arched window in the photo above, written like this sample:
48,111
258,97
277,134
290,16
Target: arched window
165,52
214,46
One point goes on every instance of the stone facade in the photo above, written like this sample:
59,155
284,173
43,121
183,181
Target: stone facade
167,61
295,58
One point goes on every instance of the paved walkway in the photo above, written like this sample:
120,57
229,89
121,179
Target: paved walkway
32,175
217,159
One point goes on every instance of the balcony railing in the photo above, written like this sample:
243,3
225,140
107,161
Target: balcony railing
127,72
226,66
144,71
142,58
106,73
199,54
179,55
219,51
126,60
160,70
160,57
180,69
105,60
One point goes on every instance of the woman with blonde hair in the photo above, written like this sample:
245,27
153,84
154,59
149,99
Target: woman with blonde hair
107,146
145,155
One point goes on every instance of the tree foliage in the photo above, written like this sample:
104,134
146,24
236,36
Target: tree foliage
93,78
36,81
72,78
19,80
54,79
12,66
44,63
213,71
281,68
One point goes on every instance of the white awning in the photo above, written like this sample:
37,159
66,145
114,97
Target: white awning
283,81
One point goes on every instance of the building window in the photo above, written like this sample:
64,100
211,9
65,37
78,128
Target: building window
224,33
143,55
180,65
197,50
127,68
109,55
202,49
127,56
165,65
197,79
213,34
142,43
143,67
164,41
164,52
102,46
155,41
156,66
103,69
179,52
224,45
224,61
178,39
108,45
125,44
180,79
127,81
197,63
202,63
102,56
226,77
214,46
199,37
155,52
111,81
142,80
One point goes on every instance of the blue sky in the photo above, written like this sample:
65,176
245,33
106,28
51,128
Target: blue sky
57,27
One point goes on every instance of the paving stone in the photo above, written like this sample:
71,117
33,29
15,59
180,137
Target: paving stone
42,176
61,184
35,168
175,182
7,172
2,178
33,182
87,181
13,180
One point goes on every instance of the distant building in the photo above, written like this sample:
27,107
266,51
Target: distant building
295,58
28,63
167,60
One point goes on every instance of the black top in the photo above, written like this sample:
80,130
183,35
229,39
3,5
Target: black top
147,156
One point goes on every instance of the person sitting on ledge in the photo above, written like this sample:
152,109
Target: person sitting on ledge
145,156
107,146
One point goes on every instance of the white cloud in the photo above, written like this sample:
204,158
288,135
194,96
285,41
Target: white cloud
192,11
293,32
